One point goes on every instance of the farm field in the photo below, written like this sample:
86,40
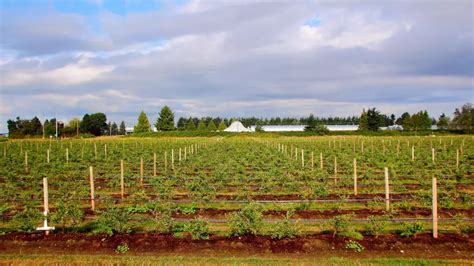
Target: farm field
280,192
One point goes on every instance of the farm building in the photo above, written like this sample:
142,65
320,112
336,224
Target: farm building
286,128
237,126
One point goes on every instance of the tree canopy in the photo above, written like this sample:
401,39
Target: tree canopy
143,124
165,121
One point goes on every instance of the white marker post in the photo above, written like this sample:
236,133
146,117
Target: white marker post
45,226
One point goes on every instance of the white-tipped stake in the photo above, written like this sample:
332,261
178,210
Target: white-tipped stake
45,226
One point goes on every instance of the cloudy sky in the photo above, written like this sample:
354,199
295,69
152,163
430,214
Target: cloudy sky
233,58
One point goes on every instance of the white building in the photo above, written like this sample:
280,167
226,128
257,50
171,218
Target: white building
287,128
236,126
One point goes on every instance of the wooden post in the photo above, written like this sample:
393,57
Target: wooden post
302,158
185,152
172,158
387,191
166,160
67,155
45,200
362,147
91,181
105,150
141,170
321,160
457,159
122,186
179,157
433,155
312,160
26,161
435,208
355,176
296,153
47,155
398,148
154,164
335,170
95,150
413,153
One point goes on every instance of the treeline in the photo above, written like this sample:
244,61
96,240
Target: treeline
370,120
463,120
91,125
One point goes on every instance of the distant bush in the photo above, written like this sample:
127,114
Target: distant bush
199,228
286,228
28,219
248,220
113,220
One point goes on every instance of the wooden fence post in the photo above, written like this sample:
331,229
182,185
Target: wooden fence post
435,208
91,181
355,176
321,160
302,158
122,186
457,159
179,158
47,155
45,226
67,155
387,190
185,152
154,164
312,160
335,170
166,160
413,153
105,150
172,158
141,170
433,155
26,161
95,150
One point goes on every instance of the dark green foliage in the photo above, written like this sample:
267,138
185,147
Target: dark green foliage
464,119
199,229
122,129
201,125
190,125
28,219
286,228
211,126
143,124
112,220
24,127
222,125
67,213
95,124
165,121
249,220
412,229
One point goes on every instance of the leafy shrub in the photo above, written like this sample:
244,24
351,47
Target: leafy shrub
411,229
162,215
342,227
249,220
353,245
320,190
3,210
199,229
375,225
113,220
67,214
287,228
122,249
28,219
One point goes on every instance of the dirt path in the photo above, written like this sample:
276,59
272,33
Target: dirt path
312,246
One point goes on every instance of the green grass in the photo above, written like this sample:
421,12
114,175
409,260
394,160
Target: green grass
192,260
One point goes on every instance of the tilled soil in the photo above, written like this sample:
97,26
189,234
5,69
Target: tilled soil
447,246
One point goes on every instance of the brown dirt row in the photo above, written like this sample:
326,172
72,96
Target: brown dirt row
447,246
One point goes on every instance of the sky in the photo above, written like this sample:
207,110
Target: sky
233,58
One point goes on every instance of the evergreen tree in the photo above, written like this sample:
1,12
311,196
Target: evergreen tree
122,129
165,121
190,125
222,126
143,124
181,123
211,126
363,122
464,119
310,123
443,122
201,125
114,129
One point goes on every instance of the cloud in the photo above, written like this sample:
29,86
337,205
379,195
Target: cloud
239,58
